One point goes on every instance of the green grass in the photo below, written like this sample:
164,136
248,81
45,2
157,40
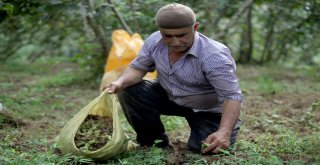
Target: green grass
281,116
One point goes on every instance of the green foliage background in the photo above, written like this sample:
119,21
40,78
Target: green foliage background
285,32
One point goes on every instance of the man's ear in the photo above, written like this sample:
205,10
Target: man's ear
196,26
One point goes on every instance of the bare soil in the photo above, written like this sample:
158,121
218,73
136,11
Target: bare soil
94,133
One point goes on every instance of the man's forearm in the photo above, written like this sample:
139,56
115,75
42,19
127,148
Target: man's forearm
130,77
230,115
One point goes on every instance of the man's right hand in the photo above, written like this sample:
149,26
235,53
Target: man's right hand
113,87
129,77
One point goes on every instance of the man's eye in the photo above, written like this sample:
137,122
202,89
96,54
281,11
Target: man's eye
179,36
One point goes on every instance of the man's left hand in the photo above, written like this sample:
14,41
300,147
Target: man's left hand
217,141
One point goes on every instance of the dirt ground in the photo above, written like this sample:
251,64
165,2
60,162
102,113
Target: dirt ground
285,107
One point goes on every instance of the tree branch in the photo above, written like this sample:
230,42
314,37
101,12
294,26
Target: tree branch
123,22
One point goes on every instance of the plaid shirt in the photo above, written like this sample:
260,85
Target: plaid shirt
201,79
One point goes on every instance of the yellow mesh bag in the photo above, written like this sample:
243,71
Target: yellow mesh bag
103,105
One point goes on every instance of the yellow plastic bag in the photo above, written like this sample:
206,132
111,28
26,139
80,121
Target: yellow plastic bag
103,105
124,49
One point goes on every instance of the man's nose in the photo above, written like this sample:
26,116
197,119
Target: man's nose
175,41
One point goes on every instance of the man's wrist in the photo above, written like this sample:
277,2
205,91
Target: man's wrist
225,130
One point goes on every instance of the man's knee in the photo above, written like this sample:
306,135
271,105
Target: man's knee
129,91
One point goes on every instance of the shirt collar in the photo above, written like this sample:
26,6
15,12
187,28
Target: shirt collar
194,48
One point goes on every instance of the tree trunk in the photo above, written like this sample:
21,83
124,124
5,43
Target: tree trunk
97,30
268,42
138,28
246,44
234,19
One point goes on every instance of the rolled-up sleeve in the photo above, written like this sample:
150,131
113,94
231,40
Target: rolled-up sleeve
220,70
144,60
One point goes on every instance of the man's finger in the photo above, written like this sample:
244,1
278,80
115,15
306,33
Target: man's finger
216,150
210,139
110,90
220,148
211,147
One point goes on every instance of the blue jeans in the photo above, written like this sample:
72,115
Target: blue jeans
143,104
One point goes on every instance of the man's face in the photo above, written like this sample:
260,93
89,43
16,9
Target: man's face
179,40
